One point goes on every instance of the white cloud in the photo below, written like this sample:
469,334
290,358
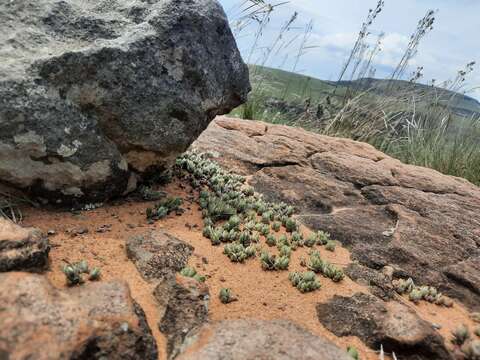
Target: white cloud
452,43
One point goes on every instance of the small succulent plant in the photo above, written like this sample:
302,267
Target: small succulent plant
207,231
333,273
199,278
238,253
216,236
311,240
475,316
283,240
188,271
318,265
276,226
226,296
192,273
476,331
164,208
322,237
419,293
73,273
248,190
291,225
148,194
267,217
282,262
415,295
471,350
285,250
304,282
402,286
330,245
460,335
245,238
297,238
232,223
82,266
267,261
95,274
265,230
353,352
271,240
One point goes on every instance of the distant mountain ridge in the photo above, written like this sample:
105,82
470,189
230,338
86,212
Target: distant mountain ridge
275,81
461,104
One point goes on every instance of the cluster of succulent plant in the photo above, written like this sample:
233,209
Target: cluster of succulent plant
163,208
229,205
322,237
330,245
460,335
226,296
192,273
305,282
353,352
320,266
273,262
148,194
468,346
475,316
74,272
418,293
471,350
237,252
234,214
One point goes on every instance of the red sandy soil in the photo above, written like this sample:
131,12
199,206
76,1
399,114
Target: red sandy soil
262,294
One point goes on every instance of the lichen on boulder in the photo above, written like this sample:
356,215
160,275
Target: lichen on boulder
94,93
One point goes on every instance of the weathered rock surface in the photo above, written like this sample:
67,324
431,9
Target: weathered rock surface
158,254
424,224
259,339
182,302
22,248
379,283
391,324
94,321
92,92
185,309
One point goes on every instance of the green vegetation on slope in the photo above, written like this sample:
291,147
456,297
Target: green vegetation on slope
418,124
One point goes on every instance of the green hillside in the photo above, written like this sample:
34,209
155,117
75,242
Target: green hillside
418,124
296,88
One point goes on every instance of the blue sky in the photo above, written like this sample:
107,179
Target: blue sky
454,41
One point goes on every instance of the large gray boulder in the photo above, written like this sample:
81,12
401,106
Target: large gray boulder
93,92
